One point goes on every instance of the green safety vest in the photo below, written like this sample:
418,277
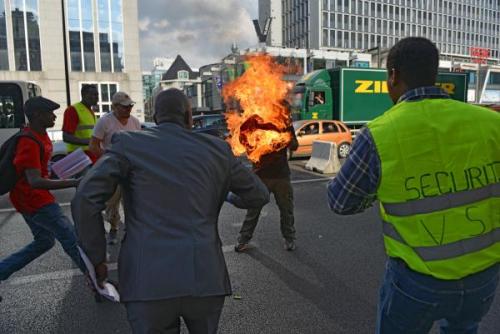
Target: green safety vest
439,188
86,122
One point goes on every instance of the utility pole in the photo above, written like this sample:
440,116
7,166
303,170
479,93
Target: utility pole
65,48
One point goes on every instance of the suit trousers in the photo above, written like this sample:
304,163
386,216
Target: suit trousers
283,194
201,315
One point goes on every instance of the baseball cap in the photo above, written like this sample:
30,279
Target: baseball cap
122,98
39,103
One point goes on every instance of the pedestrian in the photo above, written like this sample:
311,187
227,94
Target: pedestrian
119,119
274,172
433,163
31,196
79,121
174,183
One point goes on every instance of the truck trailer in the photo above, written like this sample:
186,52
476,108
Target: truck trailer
356,96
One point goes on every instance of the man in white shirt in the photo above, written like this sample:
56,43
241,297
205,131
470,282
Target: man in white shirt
119,119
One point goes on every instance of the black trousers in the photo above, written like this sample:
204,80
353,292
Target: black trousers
283,194
201,315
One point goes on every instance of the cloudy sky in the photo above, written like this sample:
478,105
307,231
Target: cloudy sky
201,31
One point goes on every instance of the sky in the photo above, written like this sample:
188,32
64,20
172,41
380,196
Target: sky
201,31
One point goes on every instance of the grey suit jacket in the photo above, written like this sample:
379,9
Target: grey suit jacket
174,183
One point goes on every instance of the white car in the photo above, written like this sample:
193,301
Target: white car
59,150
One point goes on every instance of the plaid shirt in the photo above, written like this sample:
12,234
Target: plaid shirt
355,187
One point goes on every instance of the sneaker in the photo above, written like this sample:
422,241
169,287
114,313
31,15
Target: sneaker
241,247
113,237
290,245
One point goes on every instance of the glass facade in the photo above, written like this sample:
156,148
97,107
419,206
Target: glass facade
26,35
454,25
111,35
81,35
117,34
295,20
81,26
106,91
4,55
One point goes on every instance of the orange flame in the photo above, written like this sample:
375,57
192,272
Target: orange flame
261,128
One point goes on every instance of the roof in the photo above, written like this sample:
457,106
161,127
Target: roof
179,64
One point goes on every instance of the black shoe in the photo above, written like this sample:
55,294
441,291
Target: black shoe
290,245
241,247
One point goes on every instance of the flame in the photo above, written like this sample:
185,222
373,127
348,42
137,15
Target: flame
261,127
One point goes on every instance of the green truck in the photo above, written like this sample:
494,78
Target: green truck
355,96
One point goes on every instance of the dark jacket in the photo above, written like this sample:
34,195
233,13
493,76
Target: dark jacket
174,184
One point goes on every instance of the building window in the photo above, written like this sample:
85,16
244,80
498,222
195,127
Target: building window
106,91
183,75
26,35
81,35
4,55
110,23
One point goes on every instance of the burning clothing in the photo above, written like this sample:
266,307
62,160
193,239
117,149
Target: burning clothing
275,165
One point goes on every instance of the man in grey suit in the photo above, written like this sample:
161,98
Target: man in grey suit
174,183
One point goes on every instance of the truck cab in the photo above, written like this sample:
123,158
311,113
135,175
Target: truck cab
13,94
312,97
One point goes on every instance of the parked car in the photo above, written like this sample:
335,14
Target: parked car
308,131
59,150
211,124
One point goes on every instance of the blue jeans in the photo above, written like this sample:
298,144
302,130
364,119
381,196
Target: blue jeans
410,302
46,224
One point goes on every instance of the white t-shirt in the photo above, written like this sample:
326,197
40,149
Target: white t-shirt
108,125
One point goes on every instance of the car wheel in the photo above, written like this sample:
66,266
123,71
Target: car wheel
343,150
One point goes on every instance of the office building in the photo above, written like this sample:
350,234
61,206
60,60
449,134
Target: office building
461,29
102,48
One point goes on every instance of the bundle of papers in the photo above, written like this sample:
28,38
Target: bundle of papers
72,164
109,291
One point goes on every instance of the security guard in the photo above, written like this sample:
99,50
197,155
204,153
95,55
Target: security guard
79,120
434,165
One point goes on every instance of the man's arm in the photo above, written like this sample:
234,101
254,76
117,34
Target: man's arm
35,180
355,186
246,189
70,138
95,147
98,185
294,143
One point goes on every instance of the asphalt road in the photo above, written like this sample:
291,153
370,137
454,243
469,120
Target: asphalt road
328,285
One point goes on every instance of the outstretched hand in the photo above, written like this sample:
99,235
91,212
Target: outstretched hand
101,273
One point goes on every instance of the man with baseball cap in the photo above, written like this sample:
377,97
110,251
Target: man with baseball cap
31,196
119,119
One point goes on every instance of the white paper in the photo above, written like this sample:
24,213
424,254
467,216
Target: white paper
72,164
109,291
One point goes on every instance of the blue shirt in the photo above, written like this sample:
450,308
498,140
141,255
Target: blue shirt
355,187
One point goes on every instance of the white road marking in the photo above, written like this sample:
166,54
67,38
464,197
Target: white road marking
8,210
68,273
311,180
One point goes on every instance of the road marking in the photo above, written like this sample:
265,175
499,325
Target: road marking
302,169
8,210
311,180
68,273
